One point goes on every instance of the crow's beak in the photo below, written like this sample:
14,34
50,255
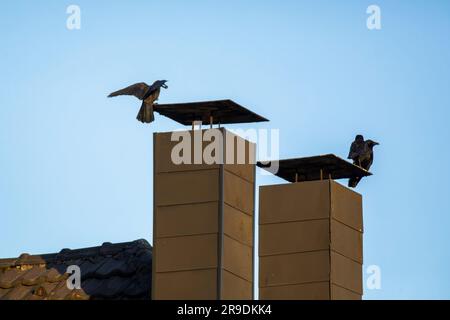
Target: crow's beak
375,143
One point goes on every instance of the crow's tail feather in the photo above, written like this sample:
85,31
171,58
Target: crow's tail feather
145,114
352,182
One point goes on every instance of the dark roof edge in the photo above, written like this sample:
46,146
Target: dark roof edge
262,119
266,163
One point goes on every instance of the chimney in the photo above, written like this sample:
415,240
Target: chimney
203,221
310,232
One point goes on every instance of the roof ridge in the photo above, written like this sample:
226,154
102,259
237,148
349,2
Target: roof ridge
106,248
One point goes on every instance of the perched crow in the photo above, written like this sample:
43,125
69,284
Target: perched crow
148,95
356,148
361,152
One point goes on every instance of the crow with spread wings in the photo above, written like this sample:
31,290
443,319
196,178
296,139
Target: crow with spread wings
148,95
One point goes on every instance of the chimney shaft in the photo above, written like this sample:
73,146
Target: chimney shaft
310,241
203,222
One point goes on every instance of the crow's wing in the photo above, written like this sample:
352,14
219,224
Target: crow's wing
366,163
354,152
138,90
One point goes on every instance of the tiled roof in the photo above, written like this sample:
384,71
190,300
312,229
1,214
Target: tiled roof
109,271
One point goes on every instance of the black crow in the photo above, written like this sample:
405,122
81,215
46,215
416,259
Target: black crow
148,95
361,152
356,148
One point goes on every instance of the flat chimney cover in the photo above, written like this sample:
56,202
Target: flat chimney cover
222,111
316,168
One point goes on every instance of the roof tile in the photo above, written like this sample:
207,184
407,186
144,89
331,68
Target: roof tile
91,286
112,267
34,276
112,287
3,292
9,277
89,268
140,286
41,292
60,292
17,293
54,274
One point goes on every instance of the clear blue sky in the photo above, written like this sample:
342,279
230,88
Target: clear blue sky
76,168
